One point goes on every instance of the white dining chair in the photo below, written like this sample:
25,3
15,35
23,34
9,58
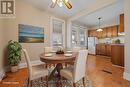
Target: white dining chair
77,72
48,49
76,49
34,72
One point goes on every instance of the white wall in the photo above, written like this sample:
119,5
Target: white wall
1,44
127,39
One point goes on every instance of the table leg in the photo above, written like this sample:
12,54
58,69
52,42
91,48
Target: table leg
57,68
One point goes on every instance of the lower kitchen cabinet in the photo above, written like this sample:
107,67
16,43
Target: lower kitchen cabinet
103,49
117,56
108,50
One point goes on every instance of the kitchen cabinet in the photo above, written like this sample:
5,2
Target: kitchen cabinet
114,30
117,54
121,28
98,49
92,33
99,34
103,49
108,50
104,33
109,32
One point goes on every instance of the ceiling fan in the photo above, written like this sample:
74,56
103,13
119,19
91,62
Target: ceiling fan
60,3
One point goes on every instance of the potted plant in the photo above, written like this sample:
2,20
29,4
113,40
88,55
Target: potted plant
14,55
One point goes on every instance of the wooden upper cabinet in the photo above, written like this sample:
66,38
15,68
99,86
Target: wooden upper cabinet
104,33
92,33
89,33
121,28
109,32
100,34
114,30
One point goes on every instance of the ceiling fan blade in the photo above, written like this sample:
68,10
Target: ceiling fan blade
53,4
67,4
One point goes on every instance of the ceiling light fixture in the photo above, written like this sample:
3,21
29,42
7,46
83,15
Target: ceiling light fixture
61,3
99,29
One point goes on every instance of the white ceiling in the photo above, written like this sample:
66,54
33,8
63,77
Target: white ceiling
109,15
78,5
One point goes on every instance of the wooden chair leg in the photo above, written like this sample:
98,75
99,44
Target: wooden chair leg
84,81
47,81
74,85
46,66
31,83
28,83
66,65
41,78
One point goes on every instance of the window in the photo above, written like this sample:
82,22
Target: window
58,32
78,36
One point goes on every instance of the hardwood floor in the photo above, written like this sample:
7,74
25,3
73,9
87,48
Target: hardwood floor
99,70
99,78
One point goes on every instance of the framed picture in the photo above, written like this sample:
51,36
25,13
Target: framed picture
30,34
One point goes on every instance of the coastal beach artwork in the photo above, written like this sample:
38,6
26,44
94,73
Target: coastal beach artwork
31,34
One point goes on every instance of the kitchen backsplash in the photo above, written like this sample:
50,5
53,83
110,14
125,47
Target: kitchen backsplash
112,40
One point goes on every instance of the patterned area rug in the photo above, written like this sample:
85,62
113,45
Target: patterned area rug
61,83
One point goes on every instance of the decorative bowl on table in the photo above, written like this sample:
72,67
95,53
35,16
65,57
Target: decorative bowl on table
60,50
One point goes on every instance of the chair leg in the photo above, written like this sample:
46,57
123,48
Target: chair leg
28,83
31,83
47,81
46,66
84,81
41,78
74,85
66,65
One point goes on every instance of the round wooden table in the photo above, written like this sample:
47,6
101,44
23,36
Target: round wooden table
57,59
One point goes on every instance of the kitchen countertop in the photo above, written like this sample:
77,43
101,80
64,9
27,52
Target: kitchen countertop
118,44
111,44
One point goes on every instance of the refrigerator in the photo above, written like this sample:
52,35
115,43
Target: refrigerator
92,41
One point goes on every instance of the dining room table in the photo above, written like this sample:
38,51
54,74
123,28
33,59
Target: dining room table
58,59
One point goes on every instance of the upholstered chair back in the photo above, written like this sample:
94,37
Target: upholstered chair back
29,66
80,65
76,49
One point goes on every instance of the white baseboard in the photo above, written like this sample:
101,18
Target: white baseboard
117,66
21,65
34,63
126,76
